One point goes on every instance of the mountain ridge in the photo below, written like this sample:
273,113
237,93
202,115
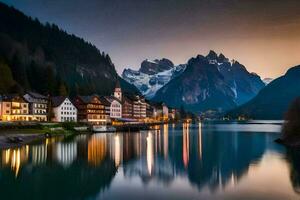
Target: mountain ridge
272,102
215,84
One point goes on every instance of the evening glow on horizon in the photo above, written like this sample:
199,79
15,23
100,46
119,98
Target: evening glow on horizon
264,35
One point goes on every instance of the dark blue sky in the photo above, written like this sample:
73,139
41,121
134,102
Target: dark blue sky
262,34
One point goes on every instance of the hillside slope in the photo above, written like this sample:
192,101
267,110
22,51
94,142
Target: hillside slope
46,59
273,101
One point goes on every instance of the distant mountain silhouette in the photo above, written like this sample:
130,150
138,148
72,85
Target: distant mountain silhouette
273,101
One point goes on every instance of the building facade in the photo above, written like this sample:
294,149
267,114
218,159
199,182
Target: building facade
106,104
139,108
134,107
38,106
90,109
63,110
127,107
14,108
115,107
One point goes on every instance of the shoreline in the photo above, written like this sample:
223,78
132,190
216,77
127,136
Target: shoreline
25,138
16,135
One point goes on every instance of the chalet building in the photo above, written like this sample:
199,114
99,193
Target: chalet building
134,107
139,107
90,109
14,108
63,110
127,107
38,106
115,107
107,105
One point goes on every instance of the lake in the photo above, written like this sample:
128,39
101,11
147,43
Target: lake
210,160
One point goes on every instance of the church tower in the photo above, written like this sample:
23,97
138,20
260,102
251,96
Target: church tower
118,91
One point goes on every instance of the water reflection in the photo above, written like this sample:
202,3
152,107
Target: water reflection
39,154
65,153
189,155
14,158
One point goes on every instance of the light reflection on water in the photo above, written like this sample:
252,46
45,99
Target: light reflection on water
182,161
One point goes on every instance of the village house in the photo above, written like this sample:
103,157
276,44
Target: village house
90,109
115,107
63,110
38,106
14,108
107,105
133,107
127,107
139,107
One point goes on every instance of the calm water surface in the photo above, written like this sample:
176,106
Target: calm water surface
196,161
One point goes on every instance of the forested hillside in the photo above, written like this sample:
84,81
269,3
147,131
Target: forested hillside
44,58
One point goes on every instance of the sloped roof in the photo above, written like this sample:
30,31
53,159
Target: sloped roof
57,101
104,101
10,97
112,98
88,99
36,95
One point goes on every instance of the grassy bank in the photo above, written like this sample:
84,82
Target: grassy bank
65,128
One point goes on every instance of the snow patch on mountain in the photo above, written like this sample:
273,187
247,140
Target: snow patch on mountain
267,80
150,84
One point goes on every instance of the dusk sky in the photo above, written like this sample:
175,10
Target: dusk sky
264,35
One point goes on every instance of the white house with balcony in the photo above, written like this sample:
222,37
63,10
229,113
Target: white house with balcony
63,110
115,107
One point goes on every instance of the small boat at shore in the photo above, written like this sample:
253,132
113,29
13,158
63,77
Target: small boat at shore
81,128
103,128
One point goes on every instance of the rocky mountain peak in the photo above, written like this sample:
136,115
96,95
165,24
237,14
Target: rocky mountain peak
207,80
212,55
222,58
153,67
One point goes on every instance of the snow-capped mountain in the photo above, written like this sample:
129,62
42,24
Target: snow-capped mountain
152,75
210,82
